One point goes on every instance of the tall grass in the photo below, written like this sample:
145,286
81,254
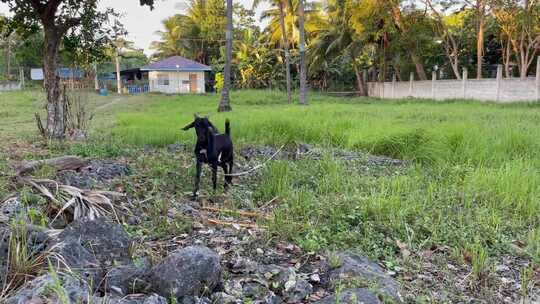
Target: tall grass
473,175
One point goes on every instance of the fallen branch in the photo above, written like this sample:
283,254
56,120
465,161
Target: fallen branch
59,163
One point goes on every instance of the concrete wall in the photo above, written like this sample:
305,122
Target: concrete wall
176,80
496,89
509,90
10,86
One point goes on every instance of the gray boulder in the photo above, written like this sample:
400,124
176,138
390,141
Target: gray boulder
186,272
105,240
54,289
4,250
132,299
127,279
70,253
358,269
352,296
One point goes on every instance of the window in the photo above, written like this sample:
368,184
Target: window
163,79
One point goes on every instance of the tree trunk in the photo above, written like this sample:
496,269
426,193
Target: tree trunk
118,79
96,82
360,81
480,38
303,68
8,57
285,43
225,103
55,104
419,66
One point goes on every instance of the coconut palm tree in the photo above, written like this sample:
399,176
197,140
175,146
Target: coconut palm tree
225,103
302,47
282,4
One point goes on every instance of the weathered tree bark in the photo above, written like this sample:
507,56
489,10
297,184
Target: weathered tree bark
303,67
285,43
58,163
225,103
55,104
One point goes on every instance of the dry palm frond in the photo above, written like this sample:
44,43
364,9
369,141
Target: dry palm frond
80,203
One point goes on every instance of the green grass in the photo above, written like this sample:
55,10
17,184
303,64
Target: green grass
472,182
473,178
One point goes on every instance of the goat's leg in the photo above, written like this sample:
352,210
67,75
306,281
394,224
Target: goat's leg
228,177
226,171
214,176
197,179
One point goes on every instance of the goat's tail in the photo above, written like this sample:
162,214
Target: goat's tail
227,127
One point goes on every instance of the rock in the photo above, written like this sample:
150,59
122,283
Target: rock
73,255
9,209
132,299
176,147
223,298
91,246
51,289
299,292
127,279
358,268
97,172
187,272
352,296
35,237
105,240
4,250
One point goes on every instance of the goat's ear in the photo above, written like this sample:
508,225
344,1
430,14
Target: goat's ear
195,115
191,125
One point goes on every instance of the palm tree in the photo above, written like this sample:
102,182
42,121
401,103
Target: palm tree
302,47
175,38
284,42
225,103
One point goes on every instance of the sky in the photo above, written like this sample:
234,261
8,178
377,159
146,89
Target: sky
141,22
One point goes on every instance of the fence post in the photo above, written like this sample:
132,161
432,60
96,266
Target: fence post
537,77
464,78
393,85
411,84
499,80
433,80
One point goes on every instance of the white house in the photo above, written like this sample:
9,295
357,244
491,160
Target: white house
176,75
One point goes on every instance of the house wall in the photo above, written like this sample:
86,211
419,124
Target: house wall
176,80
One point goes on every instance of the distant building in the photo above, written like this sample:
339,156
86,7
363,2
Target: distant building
176,75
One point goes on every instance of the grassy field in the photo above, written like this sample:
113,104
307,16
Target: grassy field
473,179
472,182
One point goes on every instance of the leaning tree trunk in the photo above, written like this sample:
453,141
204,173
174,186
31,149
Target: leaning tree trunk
303,68
56,118
225,103
285,43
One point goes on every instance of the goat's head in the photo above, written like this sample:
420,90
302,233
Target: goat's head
202,126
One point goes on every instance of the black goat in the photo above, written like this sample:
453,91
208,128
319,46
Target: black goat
212,148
